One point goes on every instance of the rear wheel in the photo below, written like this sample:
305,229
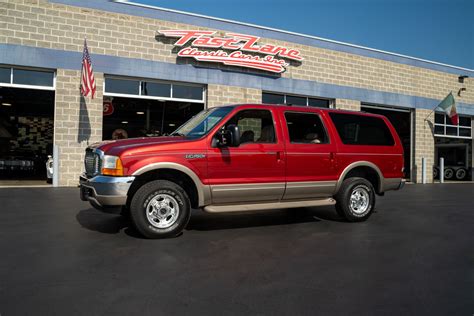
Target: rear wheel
355,199
160,209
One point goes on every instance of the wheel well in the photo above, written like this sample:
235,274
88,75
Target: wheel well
367,173
178,177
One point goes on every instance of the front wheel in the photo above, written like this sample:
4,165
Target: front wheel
355,200
160,209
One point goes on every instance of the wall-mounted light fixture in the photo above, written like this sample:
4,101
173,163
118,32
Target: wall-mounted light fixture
461,78
461,90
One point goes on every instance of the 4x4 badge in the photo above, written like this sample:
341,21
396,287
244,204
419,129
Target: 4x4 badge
194,156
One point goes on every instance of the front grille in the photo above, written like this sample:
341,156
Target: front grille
92,163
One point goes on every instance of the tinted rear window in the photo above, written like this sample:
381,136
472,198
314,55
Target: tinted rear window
362,130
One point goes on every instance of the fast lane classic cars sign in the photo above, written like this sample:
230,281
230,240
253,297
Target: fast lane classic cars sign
233,49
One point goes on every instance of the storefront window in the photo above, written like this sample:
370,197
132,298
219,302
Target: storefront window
270,98
293,100
156,89
34,78
5,75
444,127
122,86
187,92
274,98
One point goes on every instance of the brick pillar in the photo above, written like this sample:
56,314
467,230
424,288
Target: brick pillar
218,95
423,145
77,123
345,104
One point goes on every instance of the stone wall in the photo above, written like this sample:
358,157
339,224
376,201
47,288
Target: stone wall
344,104
423,145
39,23
218,95
78,123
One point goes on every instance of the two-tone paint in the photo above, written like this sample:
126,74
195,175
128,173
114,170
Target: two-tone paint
262,175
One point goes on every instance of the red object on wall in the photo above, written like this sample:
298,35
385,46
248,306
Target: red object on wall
108,108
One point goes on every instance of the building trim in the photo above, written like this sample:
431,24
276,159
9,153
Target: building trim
136,9
18,55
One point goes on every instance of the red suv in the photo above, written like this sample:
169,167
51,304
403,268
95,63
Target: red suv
248,157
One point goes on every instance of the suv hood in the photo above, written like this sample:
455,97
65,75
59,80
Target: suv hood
117,147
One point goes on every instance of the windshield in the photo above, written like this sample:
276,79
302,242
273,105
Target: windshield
203,122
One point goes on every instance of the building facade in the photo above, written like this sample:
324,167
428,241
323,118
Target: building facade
148,83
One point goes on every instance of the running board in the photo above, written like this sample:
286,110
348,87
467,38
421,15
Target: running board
267,206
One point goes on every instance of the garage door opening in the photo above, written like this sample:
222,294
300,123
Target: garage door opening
128,117
145,107
401,121
26,135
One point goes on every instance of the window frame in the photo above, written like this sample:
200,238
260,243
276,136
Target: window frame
141,96
328,137
445,125
331,102
254,109
28,86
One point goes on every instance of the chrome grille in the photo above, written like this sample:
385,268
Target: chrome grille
92,163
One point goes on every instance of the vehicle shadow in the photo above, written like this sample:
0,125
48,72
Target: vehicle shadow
205,221
97,221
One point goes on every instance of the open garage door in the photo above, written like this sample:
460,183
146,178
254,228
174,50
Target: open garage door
26,134
401,121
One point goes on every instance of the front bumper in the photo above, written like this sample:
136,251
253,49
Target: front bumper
103,191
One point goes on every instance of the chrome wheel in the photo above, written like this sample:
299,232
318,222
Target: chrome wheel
162,211
360,200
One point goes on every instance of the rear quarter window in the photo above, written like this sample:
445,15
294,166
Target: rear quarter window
362,130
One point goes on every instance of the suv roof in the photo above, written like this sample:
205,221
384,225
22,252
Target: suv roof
297,107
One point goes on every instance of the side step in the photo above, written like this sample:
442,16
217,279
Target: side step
267,206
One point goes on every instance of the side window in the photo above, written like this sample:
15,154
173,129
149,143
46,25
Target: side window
306,128
256,126
362,130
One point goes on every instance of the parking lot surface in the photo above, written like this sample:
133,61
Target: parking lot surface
414,256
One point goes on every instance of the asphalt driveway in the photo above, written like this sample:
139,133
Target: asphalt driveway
415,256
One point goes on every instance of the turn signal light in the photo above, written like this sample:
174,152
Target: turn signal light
112,166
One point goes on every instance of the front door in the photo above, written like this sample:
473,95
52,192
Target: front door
310,168
253,171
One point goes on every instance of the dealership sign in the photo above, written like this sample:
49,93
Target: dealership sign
233,49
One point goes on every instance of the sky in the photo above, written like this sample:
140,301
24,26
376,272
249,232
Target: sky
437,30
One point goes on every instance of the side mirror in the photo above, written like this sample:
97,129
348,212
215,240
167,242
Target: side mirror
230,137
234,135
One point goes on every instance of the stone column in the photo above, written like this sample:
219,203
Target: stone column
218,95
345,104
77,123
423,145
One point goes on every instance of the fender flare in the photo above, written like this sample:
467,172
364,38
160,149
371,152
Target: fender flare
360,164
204,193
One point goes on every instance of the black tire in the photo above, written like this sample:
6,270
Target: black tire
343,199
146,195
435,172
461,173
448,173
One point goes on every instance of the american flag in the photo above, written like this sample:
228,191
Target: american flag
87,77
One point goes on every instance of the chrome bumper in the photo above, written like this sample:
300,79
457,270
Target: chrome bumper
103,191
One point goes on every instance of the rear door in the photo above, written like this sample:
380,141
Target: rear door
310,154
255,170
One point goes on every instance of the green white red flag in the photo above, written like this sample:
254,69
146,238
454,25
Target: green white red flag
449,107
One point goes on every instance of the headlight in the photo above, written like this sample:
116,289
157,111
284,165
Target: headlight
112,166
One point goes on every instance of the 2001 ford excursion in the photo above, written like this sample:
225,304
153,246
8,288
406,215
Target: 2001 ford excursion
247,157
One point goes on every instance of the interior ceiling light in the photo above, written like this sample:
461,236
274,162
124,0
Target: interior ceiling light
7,104
140,113
171,124
124,122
